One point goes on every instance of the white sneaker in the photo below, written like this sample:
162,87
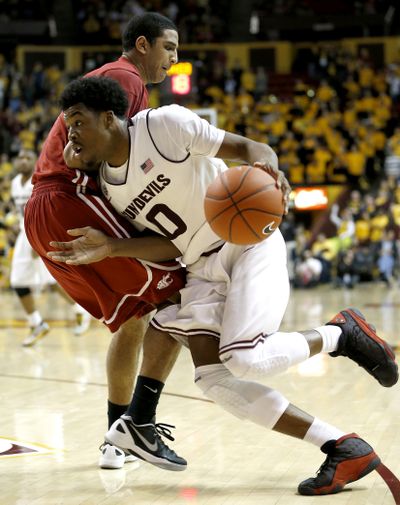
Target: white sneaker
113,458
36,334
82,323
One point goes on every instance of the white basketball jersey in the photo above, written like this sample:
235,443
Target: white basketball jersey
26,270
163,184
20,193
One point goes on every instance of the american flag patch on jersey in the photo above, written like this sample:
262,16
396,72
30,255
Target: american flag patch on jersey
147,165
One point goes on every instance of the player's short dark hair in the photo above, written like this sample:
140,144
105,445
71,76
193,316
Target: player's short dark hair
150,25
96,93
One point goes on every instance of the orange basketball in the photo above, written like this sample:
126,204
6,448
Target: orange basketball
243,205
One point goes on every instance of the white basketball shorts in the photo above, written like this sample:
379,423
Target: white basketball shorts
27,271
235,294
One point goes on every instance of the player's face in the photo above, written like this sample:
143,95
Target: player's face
87,137
162,54
25,161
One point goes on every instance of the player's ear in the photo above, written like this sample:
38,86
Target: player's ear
108,118
142,44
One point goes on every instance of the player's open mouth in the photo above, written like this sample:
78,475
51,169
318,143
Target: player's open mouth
76,149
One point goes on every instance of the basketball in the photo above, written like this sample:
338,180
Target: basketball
243,205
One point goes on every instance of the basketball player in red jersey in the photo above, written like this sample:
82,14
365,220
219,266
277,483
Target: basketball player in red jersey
115,291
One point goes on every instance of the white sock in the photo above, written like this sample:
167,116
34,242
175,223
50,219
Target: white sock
320,432
78,309
34,318
330,337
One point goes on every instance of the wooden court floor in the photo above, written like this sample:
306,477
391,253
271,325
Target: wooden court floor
53,417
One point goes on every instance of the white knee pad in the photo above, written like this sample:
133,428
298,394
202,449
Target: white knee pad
267,356
243,399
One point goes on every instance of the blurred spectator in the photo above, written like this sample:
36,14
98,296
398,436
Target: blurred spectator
236,72
392,162
363,228
355,202
325,250
261,83
344,222
37,86
364,264
387,258
308,270
379,223
393,80
248,81
356,164
346,275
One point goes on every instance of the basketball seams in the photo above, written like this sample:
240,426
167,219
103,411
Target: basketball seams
254,209
229,195
242,180
240,215
247,209
254,193
250,228
244,206
235,204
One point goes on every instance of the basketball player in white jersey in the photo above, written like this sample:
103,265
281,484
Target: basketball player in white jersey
28,271
156,171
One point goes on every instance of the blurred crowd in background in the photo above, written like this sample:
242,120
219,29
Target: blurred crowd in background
338,123
360,240
198,21
310,7
101,21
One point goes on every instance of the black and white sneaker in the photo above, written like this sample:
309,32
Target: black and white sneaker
144,441
113,458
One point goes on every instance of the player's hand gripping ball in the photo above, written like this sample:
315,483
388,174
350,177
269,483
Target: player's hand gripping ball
243,205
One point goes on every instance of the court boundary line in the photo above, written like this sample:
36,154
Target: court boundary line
96,384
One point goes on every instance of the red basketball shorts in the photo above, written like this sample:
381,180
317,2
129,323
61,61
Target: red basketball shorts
112,290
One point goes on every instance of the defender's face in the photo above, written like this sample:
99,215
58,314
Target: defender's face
87,137
162,54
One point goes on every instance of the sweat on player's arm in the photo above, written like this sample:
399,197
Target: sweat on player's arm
93,245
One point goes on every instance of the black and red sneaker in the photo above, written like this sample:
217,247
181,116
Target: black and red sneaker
360,343
348,459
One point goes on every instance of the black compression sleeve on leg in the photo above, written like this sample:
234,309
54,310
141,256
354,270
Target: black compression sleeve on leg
115,411
145,400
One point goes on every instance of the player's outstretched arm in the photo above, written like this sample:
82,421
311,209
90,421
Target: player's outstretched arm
93,245
237,148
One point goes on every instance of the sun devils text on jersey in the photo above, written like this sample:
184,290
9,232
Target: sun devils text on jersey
145,197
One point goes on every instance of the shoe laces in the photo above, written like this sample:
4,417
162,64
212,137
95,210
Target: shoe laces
163,429
324,466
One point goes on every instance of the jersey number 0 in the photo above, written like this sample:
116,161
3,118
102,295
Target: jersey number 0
161,210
